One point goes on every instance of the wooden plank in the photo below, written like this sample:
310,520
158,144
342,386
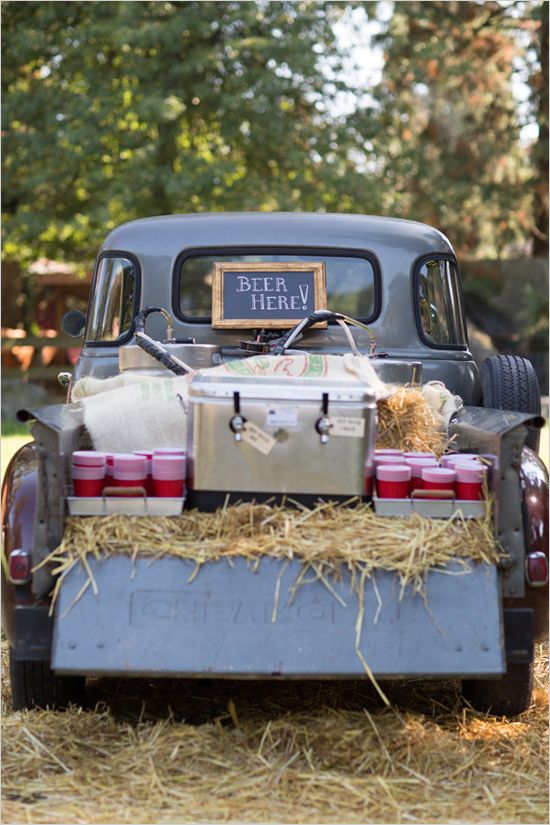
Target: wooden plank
38,342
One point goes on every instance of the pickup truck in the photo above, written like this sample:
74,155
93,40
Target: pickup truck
399,282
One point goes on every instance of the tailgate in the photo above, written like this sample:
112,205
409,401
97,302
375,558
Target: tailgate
148,619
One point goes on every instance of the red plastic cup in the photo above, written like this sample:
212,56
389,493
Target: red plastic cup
392,480
109,461
168,488
417,465
148,454
469,481
369,473
438,479
129,470
88,481
169,475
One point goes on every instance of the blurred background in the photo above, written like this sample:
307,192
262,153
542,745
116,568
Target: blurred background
433,111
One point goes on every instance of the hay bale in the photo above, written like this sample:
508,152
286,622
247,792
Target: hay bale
326,538
406,421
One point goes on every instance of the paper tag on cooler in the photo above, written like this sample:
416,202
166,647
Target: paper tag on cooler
282,417
257,438
346,426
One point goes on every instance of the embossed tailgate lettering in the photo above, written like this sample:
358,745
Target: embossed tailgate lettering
195,610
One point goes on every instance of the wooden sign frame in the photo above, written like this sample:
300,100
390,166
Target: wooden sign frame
219,321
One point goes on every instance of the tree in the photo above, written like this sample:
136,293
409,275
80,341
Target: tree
119,110
113,111
539,98
447,127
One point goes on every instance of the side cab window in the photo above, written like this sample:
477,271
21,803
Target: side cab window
440,310
113,302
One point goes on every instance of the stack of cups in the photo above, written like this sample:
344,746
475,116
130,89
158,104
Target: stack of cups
417,464
129,470
393,480
148,455
389,459
169,474
369,473
109,464
438,479
419,455
470,478
170,451
88,472
450,459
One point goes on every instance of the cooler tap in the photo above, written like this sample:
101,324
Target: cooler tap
238,421
323,424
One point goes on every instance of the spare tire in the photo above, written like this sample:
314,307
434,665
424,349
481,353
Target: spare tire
509,382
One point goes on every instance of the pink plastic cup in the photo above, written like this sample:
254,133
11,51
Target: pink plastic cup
438,479
469,481
88,481
451,459
129,470
392,480
389,451
419,455
388,459
88,458
170,451
169,475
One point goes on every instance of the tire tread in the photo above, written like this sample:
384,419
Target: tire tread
509,382
508,696
35,685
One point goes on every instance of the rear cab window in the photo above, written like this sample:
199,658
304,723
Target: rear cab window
352,281
439,304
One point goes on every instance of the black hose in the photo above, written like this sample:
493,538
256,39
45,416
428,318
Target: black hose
152,348
160,354
314,318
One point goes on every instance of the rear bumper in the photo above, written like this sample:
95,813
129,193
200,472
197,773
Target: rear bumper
147,619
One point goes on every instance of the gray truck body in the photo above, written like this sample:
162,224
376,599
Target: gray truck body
148,618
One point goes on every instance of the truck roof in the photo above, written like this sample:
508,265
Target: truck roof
168,235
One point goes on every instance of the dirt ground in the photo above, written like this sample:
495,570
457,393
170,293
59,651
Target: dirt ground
169,751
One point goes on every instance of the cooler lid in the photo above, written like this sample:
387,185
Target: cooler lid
269,387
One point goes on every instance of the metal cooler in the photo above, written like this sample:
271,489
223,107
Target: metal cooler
254,437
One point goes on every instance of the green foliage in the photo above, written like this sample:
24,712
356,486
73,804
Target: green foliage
447,127
119,110
113,111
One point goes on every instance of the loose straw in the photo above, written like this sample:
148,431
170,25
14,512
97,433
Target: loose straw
407,422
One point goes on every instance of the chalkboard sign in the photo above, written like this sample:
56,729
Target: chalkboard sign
267,295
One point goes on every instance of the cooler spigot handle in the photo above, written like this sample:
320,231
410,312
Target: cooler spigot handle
323,424
238,421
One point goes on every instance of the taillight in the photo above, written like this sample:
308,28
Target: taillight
20,566
536,569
